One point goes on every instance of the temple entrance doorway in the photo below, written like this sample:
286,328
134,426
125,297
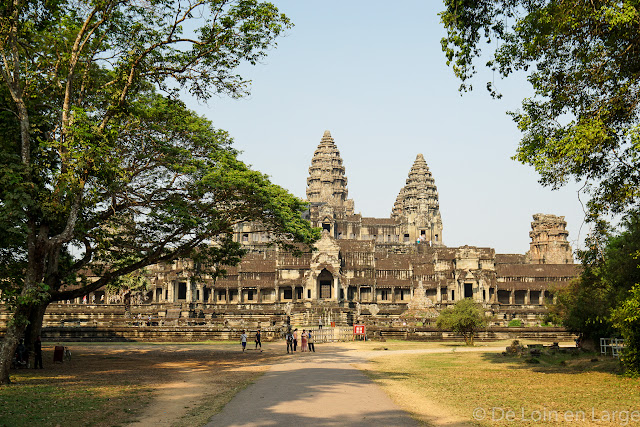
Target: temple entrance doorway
182,291
325,284
468,290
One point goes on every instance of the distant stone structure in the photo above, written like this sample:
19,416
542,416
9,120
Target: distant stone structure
549,243
366,269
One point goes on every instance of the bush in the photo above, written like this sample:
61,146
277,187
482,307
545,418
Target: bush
515,323
466,318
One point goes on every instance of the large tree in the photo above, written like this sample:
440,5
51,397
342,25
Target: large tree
611,268
103,169
581,59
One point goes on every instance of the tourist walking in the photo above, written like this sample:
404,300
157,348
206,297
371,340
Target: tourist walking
295,339
37,350
310,341
320,323
258,340
243,340
303,338
289,339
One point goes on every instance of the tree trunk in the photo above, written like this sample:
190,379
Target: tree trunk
22,311
15,329
34,328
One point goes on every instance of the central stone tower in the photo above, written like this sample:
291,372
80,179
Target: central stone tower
417,207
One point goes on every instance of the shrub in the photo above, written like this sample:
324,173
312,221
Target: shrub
466,318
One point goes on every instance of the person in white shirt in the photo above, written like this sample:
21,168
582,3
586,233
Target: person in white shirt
243,339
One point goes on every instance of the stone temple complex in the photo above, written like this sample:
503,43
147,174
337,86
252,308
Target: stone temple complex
368,269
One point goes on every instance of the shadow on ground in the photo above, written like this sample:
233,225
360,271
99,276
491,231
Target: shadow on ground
321,389
570,362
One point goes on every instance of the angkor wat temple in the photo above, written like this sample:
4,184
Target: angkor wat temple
365,269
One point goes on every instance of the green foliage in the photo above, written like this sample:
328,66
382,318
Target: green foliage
100,159
466,318
626,318
610,269
105,161
515,323
133,282
580,58
551,318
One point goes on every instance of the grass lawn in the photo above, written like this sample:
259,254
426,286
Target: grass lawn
448,387
61,395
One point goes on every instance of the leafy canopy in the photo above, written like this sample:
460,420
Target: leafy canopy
626,318
611,268
103,168
466,318
581,59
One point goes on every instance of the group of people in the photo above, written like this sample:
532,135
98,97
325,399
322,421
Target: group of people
21,357
306,341
291,337
258,339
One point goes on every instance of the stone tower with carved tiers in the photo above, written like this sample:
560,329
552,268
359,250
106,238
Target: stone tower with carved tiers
549,244
327,186
417,206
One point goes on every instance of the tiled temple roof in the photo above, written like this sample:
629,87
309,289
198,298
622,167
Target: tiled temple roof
510,259
538,270
379,221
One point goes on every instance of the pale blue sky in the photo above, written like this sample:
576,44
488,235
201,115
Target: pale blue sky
373,73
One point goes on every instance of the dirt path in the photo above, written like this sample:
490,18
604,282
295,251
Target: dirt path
320,389
197,385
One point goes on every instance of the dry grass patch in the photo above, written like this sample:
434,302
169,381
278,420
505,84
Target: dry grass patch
447,387
116,384
391,345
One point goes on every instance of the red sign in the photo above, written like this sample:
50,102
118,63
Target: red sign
358,329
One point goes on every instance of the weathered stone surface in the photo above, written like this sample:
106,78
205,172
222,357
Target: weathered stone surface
417,205
549,243
327,182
